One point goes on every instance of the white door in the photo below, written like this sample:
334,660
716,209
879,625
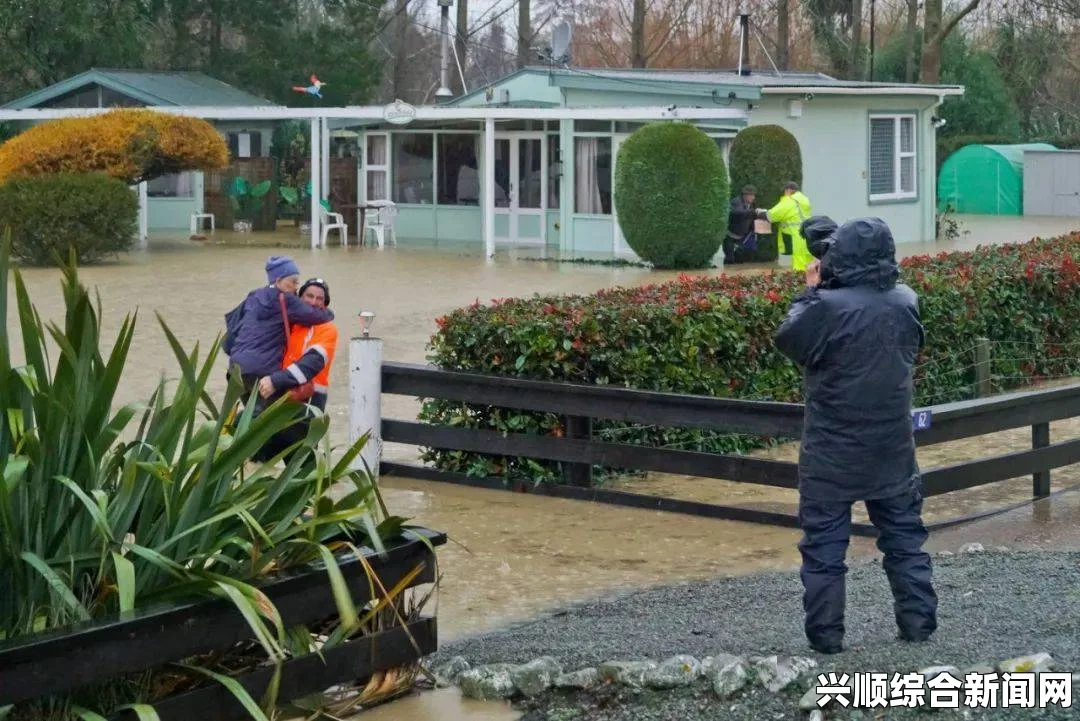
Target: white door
520,187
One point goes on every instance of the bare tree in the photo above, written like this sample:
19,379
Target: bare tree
935,30
638,58
525,34
783,33
911,30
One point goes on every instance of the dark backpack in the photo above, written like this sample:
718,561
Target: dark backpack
232,326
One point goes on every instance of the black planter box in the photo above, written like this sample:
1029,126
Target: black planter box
62,660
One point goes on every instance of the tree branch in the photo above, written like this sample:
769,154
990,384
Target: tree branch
951,25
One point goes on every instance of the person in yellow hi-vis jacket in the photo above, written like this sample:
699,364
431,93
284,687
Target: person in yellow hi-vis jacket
788,214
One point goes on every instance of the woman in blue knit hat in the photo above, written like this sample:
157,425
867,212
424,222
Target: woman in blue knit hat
255,338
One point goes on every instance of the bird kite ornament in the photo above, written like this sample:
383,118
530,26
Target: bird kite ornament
314,89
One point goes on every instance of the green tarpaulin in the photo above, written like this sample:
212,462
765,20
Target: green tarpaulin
985,179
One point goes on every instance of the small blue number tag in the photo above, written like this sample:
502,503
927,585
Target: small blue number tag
920,420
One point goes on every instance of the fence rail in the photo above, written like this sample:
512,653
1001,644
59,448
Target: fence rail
580,404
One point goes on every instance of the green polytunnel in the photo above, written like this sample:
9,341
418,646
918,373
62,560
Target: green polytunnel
985,179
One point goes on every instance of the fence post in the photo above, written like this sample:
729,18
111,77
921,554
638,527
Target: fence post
578,474
365,394
982,368
1040,480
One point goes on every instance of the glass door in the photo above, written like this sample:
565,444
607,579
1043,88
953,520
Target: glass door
520,187
528,221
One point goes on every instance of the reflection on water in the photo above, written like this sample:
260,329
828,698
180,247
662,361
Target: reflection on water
444,704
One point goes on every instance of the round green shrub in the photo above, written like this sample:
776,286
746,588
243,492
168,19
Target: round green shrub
48,215
671,192
767,157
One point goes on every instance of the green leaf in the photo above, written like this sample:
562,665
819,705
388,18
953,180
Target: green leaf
235,688
56,585
342,598
125,582
145,712
84,714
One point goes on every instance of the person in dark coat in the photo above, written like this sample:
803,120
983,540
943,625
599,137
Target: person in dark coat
255,338
856,332
741,214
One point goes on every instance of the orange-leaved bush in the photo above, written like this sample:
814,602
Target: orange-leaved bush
131,145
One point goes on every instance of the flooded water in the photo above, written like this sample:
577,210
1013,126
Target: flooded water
444,704
512,555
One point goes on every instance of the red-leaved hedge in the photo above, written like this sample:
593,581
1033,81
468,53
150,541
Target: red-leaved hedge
713,336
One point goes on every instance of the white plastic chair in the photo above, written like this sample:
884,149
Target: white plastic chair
196,221
380,220
334,221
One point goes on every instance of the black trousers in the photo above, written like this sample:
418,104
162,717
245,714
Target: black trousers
826,527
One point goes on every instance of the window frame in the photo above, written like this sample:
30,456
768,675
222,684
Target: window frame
383,168
897,194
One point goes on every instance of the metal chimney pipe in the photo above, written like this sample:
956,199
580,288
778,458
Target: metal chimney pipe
744,42
444,51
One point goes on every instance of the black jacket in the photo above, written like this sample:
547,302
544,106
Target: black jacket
857,336
740,218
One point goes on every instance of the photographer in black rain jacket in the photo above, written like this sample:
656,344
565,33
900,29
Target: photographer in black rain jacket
856,332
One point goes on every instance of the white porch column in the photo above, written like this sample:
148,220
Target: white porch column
144,216
316,182
489,187
325,132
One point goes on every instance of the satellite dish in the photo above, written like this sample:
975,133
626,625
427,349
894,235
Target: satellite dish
560,42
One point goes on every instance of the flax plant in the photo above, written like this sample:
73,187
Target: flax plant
105,509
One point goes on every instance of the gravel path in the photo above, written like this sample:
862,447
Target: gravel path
992,606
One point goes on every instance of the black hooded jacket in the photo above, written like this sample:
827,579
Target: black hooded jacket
857,336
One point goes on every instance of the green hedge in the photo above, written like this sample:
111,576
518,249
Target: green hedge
49,214
767,157
713,336
671,193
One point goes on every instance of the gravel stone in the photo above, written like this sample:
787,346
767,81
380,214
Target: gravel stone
1037,662
675,672
487,683
537,676
1025,602
626,673
581,679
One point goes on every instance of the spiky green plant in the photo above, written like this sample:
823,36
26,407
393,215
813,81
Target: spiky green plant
104,510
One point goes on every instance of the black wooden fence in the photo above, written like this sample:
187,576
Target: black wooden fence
579,405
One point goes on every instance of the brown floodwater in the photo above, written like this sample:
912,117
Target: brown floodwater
512,556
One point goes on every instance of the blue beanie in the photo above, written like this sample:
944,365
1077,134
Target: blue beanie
280,266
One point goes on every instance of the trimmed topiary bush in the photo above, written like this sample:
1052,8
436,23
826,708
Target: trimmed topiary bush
767,157
49,214
714,336
671,191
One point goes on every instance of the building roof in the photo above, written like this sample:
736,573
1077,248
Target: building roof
165,88
715,83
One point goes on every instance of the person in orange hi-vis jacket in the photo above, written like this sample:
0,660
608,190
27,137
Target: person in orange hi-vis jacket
309,356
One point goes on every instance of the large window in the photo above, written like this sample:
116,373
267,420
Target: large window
892,157
459,173
176,185
376,166
592,175
414,168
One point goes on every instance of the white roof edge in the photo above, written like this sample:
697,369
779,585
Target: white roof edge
842,90
423,112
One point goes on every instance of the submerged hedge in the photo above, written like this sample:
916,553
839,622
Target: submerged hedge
713,336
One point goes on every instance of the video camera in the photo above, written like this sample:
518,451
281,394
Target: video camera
819,232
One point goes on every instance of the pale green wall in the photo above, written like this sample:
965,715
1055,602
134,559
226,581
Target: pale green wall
532,87
834,136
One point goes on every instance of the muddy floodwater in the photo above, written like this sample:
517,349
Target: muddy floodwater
512,556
